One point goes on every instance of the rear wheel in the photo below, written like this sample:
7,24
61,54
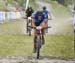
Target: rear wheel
27,27
29,31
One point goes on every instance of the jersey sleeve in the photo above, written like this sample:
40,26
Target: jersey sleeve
45,16
32,11
33,15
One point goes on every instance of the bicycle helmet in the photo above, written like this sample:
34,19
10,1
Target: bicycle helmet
39,13
44,7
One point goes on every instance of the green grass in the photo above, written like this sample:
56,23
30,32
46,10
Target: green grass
15,44
60,46
10,27
19,44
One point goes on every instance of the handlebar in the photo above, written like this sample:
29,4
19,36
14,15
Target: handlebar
43,28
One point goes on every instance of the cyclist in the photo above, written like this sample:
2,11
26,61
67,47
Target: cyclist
46,12
39,20
29,12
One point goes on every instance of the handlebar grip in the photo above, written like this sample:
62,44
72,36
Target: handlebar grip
48,27
35,27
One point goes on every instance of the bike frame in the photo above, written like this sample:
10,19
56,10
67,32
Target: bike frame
38,32
28,25
38,41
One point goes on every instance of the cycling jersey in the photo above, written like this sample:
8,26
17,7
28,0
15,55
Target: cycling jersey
39,21
29,12
45,12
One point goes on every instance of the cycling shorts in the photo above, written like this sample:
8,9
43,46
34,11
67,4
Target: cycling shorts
37,23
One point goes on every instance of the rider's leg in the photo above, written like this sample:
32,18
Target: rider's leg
42,32
43,41
46,30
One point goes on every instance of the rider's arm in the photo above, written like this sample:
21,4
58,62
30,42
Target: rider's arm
33,22
32,11
50,15
45,23
27,11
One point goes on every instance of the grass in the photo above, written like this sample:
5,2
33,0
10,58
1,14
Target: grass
15,45
60,46
19,44
11,27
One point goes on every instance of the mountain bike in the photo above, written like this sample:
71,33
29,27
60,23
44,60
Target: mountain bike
38,41
28,26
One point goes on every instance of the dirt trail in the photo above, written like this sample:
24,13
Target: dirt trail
22,59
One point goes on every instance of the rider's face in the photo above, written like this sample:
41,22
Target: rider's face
39,17
29,9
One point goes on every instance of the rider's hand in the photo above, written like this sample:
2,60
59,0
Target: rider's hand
29,18
39,27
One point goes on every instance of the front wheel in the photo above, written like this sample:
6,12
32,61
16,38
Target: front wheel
38,53
38,46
